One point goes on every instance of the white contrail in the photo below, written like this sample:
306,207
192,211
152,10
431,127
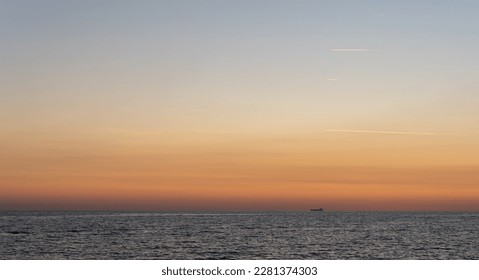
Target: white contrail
382,132
350,50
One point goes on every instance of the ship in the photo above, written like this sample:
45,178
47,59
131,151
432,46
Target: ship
317,209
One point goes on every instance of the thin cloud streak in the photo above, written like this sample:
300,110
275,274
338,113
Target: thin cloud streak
381,132
350,50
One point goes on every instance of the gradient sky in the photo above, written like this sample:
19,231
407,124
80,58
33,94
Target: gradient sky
239,105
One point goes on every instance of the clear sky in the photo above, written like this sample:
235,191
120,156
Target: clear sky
239,105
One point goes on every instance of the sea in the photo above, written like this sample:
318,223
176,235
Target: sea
239,235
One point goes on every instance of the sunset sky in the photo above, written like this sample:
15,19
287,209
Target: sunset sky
239,105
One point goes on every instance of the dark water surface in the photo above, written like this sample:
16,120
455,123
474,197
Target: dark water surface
239,235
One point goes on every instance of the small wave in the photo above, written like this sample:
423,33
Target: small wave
18,232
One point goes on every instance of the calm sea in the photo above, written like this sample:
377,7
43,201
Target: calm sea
238,235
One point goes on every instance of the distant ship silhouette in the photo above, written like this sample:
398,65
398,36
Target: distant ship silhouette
317,209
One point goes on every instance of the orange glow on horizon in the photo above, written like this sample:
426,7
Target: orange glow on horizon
241,174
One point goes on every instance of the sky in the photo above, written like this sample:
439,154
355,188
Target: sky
239,105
